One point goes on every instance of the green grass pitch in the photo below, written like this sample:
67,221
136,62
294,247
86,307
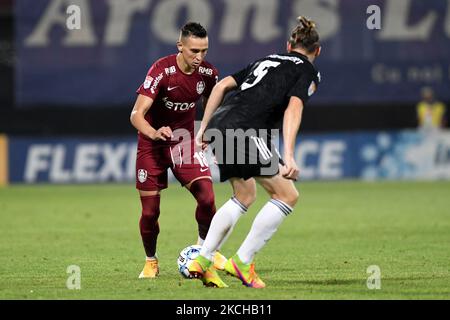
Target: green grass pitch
322,251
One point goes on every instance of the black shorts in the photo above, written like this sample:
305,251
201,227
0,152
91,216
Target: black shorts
246,157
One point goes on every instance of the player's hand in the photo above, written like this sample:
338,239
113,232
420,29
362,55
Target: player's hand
162,133
199,139
290,169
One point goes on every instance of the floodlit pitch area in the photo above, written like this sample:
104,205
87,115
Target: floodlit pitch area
322,251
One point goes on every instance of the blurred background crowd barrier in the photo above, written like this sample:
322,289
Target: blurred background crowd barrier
66,95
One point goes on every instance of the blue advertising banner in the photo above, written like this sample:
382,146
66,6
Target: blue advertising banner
375,155
363,155
71,160
87,53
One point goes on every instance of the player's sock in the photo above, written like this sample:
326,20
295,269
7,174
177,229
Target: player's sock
225,238
219,259
265,225
202,190
200,241
223,221
148,223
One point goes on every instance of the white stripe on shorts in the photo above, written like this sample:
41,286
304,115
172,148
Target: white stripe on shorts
260,148
263,143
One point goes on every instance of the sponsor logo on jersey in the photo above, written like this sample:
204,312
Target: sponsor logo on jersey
319,77
170,70
312,88
142,175
200,87
148,82
156,82
178,106
207,71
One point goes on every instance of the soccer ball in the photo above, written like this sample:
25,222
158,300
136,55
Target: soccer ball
187,254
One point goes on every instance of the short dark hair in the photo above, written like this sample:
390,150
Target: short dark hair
193,29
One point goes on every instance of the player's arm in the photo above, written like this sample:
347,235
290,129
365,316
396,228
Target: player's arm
204,102
215,99
213,102
210,83
137,118
291,124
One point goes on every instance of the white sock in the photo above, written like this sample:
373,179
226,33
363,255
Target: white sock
221,226
225,238
200,241
155,257
264,226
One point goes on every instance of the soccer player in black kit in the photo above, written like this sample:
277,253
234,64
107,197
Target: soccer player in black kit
270,90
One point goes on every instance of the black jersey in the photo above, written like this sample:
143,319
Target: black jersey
264,90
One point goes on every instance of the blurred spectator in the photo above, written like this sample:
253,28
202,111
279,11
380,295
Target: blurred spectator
430,112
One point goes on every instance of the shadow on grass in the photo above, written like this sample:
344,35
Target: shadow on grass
323,282
355,281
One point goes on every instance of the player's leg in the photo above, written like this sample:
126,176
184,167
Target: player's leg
191,169
227,215
202,190
149,229
151,178
244,194
224,221
284,196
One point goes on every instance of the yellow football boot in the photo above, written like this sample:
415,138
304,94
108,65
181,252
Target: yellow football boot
219,261
244,272
151,269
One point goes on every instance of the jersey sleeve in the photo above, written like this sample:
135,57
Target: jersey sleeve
210,82
305,86
241,75
154,81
